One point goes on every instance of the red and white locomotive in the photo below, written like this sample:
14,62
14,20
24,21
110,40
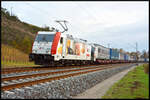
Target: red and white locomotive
58,47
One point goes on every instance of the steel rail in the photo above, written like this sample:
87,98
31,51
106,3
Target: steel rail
19,85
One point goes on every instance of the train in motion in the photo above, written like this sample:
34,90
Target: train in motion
55,47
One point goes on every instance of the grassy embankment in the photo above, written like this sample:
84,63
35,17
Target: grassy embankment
133,86
16,39
11,57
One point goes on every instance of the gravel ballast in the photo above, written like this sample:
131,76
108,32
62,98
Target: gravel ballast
64,88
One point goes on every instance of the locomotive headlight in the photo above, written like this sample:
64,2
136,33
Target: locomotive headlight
48,48
48,51
34,51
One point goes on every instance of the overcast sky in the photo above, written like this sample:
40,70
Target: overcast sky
119,24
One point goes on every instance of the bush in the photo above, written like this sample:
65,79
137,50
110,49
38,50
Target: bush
146,68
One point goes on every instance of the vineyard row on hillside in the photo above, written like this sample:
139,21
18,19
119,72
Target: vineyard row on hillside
12,56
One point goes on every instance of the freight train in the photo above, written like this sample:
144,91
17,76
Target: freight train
62,48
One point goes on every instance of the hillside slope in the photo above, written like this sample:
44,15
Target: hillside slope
16,33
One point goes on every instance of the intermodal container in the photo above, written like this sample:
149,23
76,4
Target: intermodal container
114,54
126,57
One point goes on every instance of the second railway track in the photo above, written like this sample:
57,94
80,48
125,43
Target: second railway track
29,69
28,80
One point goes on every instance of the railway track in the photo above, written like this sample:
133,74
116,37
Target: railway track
7,72
13,82
38,68
28,69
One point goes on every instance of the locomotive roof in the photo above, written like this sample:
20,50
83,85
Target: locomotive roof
46,32
76,39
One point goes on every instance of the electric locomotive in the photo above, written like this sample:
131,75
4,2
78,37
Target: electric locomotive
61,48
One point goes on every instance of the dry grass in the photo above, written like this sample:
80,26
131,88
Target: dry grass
13,57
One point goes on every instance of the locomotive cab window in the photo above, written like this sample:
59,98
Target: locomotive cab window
44,38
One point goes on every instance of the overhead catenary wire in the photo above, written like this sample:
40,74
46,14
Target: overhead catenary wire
41,11
92,15
87,12
46,13
132,45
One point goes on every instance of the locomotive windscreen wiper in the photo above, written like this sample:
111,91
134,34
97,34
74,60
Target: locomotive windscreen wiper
44,39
